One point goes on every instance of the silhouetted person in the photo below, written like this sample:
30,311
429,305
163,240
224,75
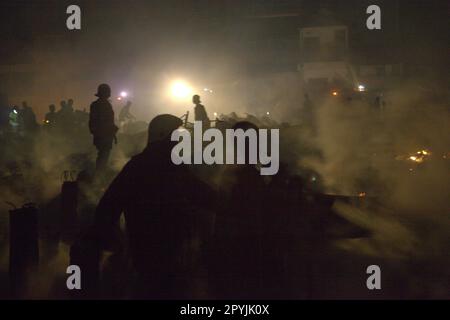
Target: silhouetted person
380,103
238,247
159,200
101,125
14,120
65,116
50,117
70,105
27,118
282,192
200,112
63,105
125,114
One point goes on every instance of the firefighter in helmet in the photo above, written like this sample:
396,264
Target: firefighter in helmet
101,125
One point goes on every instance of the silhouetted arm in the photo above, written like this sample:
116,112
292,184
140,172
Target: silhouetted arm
113,202
93,119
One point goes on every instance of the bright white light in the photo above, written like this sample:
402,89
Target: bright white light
181,90
215,114
205,89
15,111
124,94
268,113
361,88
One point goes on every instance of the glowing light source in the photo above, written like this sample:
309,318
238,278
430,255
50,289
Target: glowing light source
334,93
215,114
124,94
15,111
361,88
417,159
424,152
180,90
420,156
268,113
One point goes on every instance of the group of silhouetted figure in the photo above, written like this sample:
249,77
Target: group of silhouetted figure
184,237
66,117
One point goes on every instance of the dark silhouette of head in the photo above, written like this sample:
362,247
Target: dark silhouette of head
246,125
196,99
52,108
63,104
162,126
103,91
24,104
70,102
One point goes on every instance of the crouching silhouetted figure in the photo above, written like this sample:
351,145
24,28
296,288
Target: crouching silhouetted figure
237,255
159,200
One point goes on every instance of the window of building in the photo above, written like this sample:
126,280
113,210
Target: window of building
311,48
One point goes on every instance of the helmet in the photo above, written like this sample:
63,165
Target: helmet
162,126
103,91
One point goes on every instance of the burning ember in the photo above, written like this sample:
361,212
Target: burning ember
418,157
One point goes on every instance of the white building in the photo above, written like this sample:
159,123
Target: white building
324,55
